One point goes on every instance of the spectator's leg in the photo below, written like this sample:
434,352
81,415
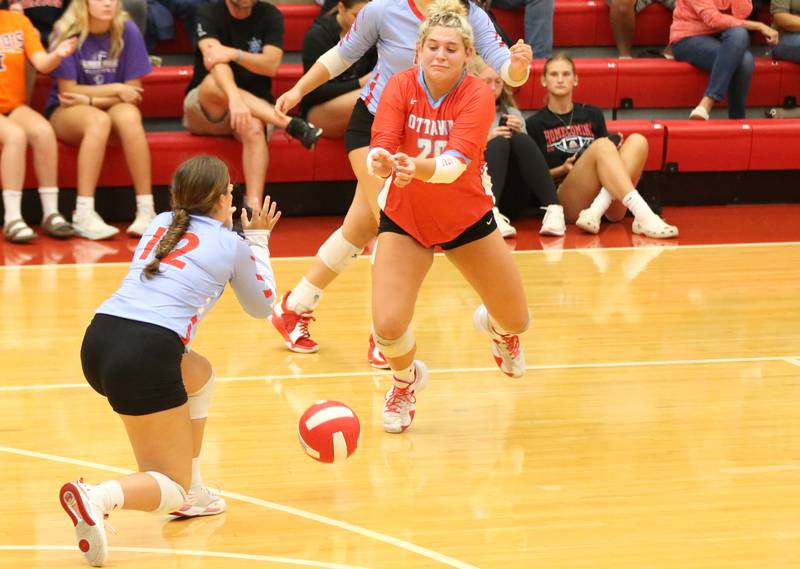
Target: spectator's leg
137,9
13,143
88,128
498,152
332,116
539,27
255,157
622,15
42,140
533,168
633,153
740,86
126,120
788,48
702,51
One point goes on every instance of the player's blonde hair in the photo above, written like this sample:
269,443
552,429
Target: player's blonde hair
448,14
196,186
75,22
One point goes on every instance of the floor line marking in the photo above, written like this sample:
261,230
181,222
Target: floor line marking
542,367
190,553
408,546
525,252
760,469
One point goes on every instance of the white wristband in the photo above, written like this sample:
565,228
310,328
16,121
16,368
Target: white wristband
507,78
448,169
258,237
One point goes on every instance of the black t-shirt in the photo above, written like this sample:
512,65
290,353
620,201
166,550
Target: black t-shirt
43,14
320,37
561,136
264,26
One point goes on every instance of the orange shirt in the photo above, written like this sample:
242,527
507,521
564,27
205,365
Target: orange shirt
18,41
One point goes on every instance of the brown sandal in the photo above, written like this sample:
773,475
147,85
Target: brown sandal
17,231
56,226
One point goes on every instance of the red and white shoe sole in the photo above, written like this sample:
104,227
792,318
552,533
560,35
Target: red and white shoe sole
277,322
86,529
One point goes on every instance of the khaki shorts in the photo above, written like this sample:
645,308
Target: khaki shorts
196,121
642,4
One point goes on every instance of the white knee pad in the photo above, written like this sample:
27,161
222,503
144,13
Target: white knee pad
172,494
200,402
397,347
337,252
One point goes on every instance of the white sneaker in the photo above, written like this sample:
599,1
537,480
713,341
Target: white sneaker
503,224
553,222
87,517
654,227
399,405
699,113
507,352
91,226
143,218
201,502
589,221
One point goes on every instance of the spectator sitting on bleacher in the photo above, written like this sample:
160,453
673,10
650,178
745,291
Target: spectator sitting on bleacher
622,14
786,17
516,165
538,22
713,35
20,125
329,106
239,48
597,176
98,91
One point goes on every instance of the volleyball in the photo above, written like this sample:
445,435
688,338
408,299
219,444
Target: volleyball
329,431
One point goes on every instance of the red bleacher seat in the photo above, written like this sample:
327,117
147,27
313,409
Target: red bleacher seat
790,82
658,83
776,144
708,146
652,131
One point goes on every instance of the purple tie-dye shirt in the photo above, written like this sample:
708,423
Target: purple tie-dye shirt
91,65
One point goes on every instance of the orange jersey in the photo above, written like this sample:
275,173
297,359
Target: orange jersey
408,121
18,41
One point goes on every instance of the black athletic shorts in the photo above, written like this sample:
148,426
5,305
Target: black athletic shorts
478,230
136,365
359,129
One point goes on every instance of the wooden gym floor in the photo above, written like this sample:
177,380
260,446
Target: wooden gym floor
658,425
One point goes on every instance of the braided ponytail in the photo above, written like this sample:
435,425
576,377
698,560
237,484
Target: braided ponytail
179,225
196,186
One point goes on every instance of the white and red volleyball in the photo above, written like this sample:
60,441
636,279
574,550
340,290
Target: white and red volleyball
329,431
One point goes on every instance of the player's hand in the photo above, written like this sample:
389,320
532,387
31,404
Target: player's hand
129,93
380,163
404,169
264,217
288,101
72,99
521,56
67,47
240,114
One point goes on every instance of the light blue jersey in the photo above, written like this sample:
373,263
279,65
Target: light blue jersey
393,25
193,276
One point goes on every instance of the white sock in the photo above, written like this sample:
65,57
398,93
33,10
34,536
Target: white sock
12,203
108,495
197,478
404,378
304,298
49,197
637,206
602,202
144,202
84,204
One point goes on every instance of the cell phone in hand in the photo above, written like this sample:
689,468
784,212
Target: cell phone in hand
503,121
616,138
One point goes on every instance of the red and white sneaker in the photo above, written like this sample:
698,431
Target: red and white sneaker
399,406
87,517
293,327
375,357
507,352
201,502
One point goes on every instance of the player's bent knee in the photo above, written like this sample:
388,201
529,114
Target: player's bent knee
200,401
396,347
337,253
172,494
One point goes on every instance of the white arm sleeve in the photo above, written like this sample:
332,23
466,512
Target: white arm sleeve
507,79
253,280
333,61
448,169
